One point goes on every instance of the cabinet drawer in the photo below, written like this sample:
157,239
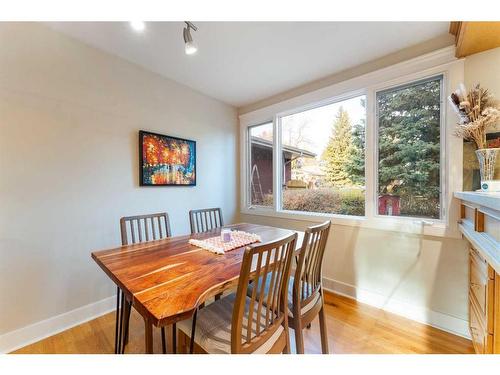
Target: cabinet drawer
479,261
478,282
481,339
483,265
482,294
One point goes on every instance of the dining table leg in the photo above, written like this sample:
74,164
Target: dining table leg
127,309
120,307
148,329
117,322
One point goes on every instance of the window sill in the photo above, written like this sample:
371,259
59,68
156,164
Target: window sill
436,228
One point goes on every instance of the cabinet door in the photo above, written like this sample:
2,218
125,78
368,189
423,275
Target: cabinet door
482,290
481,339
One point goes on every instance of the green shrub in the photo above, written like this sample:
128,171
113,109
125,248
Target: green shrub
348,202
420,206
324,200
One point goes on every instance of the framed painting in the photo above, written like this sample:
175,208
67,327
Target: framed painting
166,161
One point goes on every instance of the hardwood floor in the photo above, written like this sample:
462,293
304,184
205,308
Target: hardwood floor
352,328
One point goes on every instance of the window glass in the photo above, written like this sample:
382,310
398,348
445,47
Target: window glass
323,161
409,118
261,164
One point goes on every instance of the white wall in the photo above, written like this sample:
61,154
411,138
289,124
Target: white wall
69,121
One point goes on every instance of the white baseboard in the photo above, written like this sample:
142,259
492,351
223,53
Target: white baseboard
420,314
21,337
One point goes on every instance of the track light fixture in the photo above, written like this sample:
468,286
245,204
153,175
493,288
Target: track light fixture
190,47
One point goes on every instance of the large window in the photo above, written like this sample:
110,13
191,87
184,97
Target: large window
409,123
374,153
323,161
260,139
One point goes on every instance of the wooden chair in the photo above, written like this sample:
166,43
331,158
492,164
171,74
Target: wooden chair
242,324
305,289
136,229
205,220
305,293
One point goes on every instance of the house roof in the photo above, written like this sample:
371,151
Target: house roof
295,151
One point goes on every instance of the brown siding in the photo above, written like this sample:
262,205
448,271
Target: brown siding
263,157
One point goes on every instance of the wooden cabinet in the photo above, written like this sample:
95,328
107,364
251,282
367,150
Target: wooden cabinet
480,225
474,37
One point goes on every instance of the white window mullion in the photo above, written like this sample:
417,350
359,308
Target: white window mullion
245,200
443,149
277,162
370,157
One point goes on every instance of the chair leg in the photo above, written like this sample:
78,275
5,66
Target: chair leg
174,338
193,332
286,350
322,328
299,338
163,341
148,335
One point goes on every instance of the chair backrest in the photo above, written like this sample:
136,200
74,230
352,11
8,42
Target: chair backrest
307,279
205,219
257,318
142,228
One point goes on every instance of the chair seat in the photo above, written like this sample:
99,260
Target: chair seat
303,310
213,327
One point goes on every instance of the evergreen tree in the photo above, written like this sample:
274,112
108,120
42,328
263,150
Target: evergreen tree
355,166
409,145
338,150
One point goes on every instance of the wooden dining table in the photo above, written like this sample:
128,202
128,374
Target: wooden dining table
166,280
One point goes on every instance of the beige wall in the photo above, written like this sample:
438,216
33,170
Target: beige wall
421,277
482,68
69,118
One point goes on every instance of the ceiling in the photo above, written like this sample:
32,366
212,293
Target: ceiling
243,62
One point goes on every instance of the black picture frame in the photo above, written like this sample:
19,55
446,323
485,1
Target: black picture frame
142,175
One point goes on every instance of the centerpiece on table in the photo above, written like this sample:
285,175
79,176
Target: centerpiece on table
478,114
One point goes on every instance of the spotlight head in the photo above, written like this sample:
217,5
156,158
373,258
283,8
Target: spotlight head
138,26
190,46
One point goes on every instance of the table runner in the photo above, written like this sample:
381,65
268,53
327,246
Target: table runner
218,246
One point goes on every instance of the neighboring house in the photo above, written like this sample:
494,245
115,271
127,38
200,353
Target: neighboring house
262,165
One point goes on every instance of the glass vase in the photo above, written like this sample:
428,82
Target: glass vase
487,158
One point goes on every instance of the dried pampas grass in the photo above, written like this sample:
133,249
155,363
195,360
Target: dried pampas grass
476,112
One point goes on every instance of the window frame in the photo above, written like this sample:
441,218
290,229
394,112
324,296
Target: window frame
439,63
442,146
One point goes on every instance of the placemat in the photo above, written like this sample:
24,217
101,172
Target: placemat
218,246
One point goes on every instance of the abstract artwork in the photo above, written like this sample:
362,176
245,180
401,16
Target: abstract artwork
166,160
